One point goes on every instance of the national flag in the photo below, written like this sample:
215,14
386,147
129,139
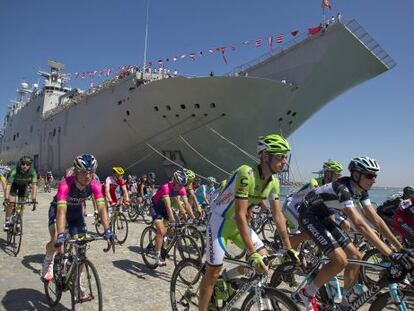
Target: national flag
294,33
270,41
258,43
279,38
314,30
326,4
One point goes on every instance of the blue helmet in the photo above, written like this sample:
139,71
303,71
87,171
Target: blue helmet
180,178
85,162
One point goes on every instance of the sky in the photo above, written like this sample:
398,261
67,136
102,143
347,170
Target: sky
372,119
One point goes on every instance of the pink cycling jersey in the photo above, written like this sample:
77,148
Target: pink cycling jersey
167,189
68,192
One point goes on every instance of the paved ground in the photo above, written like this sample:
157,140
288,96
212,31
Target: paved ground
127,283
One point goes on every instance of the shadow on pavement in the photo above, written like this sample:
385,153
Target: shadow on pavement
135,249
27,261
3,246
140,270
26,299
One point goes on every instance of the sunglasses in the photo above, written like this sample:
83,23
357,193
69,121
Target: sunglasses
25,163
280,156
370,176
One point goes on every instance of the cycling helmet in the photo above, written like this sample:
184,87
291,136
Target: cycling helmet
117,170
332,166
364,165
190,174
26,159
151,175
180,178
85,162
272,143
408,191
211,180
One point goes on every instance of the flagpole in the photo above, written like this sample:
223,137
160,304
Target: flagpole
146,40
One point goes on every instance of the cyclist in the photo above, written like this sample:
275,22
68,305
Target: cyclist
331,171
191,194
115,187
67,207
315,219
4,173
151,183
205,191
142,181
161,208
403,220
248,186
19,179
49,178
387,209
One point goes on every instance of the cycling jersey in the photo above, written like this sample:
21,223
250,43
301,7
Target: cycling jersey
158,209
388,209
73,198
245,183
204,191
319,204
4,171
115,187
403,219
19,180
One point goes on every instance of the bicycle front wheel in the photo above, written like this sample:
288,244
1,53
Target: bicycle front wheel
120,228
17,233
272,299
86,288
147,245
185,283
384,301
53,291
186,248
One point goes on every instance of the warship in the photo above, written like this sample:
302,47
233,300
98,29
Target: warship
157,120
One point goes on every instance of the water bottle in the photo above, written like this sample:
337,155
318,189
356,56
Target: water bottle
334,290
220,292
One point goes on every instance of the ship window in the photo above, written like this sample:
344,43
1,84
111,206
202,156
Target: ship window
293,114
14,137
280,119
168,107
177,115
164,116
212,105
120,102
182,106
127,112
54,132
156,108
196,106
38,108
205,114
289,112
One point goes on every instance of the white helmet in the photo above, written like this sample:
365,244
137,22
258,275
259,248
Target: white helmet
364,165
211,180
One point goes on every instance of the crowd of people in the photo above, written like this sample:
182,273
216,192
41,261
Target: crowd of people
323,210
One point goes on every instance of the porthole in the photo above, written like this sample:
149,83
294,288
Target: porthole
206,114
168,107
164,116
280,119
196,106
127,112
182,106
289,112
120,102
212,105
177,115
293,114
156,108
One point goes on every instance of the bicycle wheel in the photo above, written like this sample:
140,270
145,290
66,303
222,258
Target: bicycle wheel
120,227
133,212
146,214
197,236
53,290
17,232
186,248
271,297
284,272
98,225
185,283
370,276
147,245
233,251
268,230
86,288
384,301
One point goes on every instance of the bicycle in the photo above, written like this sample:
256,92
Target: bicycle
15,231
184,245
117,222
185,289
70,273
395,298
140,209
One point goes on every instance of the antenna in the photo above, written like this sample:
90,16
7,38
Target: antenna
146,39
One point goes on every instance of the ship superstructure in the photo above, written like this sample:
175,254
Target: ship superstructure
148,121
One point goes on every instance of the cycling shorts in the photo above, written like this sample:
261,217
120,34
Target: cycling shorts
327,234
75,221
219,231
159,211
18,190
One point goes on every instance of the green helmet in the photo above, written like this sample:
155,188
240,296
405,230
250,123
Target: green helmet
190,174
26,159
272,143
332,166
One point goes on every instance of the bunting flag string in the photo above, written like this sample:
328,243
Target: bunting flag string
162,62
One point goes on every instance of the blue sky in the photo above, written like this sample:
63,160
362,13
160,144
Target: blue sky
372,119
